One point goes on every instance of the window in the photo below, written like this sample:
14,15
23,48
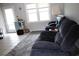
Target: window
37,12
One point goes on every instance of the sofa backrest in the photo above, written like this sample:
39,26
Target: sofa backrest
63,29
65,26
68,43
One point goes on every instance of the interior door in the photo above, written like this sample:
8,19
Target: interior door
9,19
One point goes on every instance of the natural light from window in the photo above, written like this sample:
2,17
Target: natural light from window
37,12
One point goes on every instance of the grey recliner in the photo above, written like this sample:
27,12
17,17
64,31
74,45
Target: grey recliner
63,43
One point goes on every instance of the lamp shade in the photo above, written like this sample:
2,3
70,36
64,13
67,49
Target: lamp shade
56,10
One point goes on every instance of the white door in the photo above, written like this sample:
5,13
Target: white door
9,19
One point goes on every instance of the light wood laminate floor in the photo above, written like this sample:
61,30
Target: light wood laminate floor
9,42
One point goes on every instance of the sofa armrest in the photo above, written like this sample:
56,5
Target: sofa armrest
45,45
52,22
47,36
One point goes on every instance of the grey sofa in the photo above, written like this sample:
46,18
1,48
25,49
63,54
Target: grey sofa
60,44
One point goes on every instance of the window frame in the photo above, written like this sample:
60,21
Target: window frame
38,13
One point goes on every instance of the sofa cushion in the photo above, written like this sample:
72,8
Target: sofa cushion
65,26
47,36
45,45
63,29
68,43
45,52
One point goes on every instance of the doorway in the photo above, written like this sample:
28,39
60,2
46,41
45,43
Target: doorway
10,20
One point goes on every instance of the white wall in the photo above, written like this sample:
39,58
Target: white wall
22,13
72,11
